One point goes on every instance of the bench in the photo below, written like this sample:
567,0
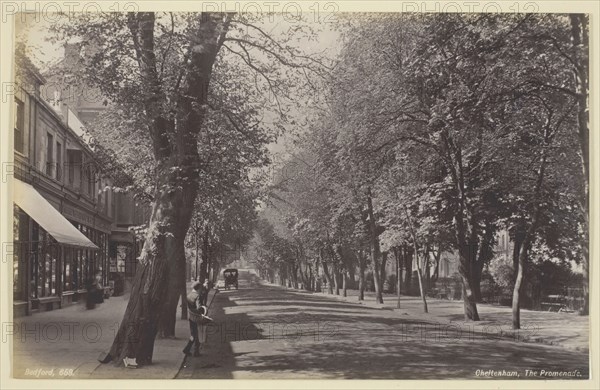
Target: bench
46,303
439,293
553,305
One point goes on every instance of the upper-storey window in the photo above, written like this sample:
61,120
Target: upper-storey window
59,162
19,126
50,155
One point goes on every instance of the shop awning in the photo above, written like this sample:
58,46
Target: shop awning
49,218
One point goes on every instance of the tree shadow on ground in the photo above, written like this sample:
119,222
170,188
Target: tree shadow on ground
310,335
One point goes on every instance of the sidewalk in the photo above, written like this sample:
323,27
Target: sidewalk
567,330
66,343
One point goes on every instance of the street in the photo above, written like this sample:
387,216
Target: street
269,332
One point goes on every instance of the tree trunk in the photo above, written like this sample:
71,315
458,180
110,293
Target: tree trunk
408,262
175,148
476,272
580,56
361,277
375,249
205,256
517,290
326,273
311,279
352,274
484,254
375,268
306,279
464,269
382,273
423,298
295,275
184,311
176,280
529,235
398,274
335,275
586,275
427,271
343,268
160,255
436,270
420,276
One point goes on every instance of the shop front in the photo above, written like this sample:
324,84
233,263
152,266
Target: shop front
53,258
123,251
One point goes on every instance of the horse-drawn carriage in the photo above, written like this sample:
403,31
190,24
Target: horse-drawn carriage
231,278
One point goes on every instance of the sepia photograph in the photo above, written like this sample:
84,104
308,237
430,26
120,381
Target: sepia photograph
298,191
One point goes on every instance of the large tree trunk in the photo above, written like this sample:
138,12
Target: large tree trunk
464,228
135,337
184,310
176,281
175,150
464,269
516,302
476,272
467,255
580,56
530,234
484,254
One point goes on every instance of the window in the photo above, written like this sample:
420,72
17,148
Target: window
71,165
21,253
68,269
19,126
49,154
58,161
91,180
74,167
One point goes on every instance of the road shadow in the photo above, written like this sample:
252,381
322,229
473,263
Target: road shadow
271,332
217,356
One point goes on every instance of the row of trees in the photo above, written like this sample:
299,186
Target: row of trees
193,99
438,131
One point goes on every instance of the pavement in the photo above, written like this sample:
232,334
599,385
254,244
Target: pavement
65,344
264,331
569,330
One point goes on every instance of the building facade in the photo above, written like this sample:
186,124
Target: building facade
69,221
62,214
82,105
